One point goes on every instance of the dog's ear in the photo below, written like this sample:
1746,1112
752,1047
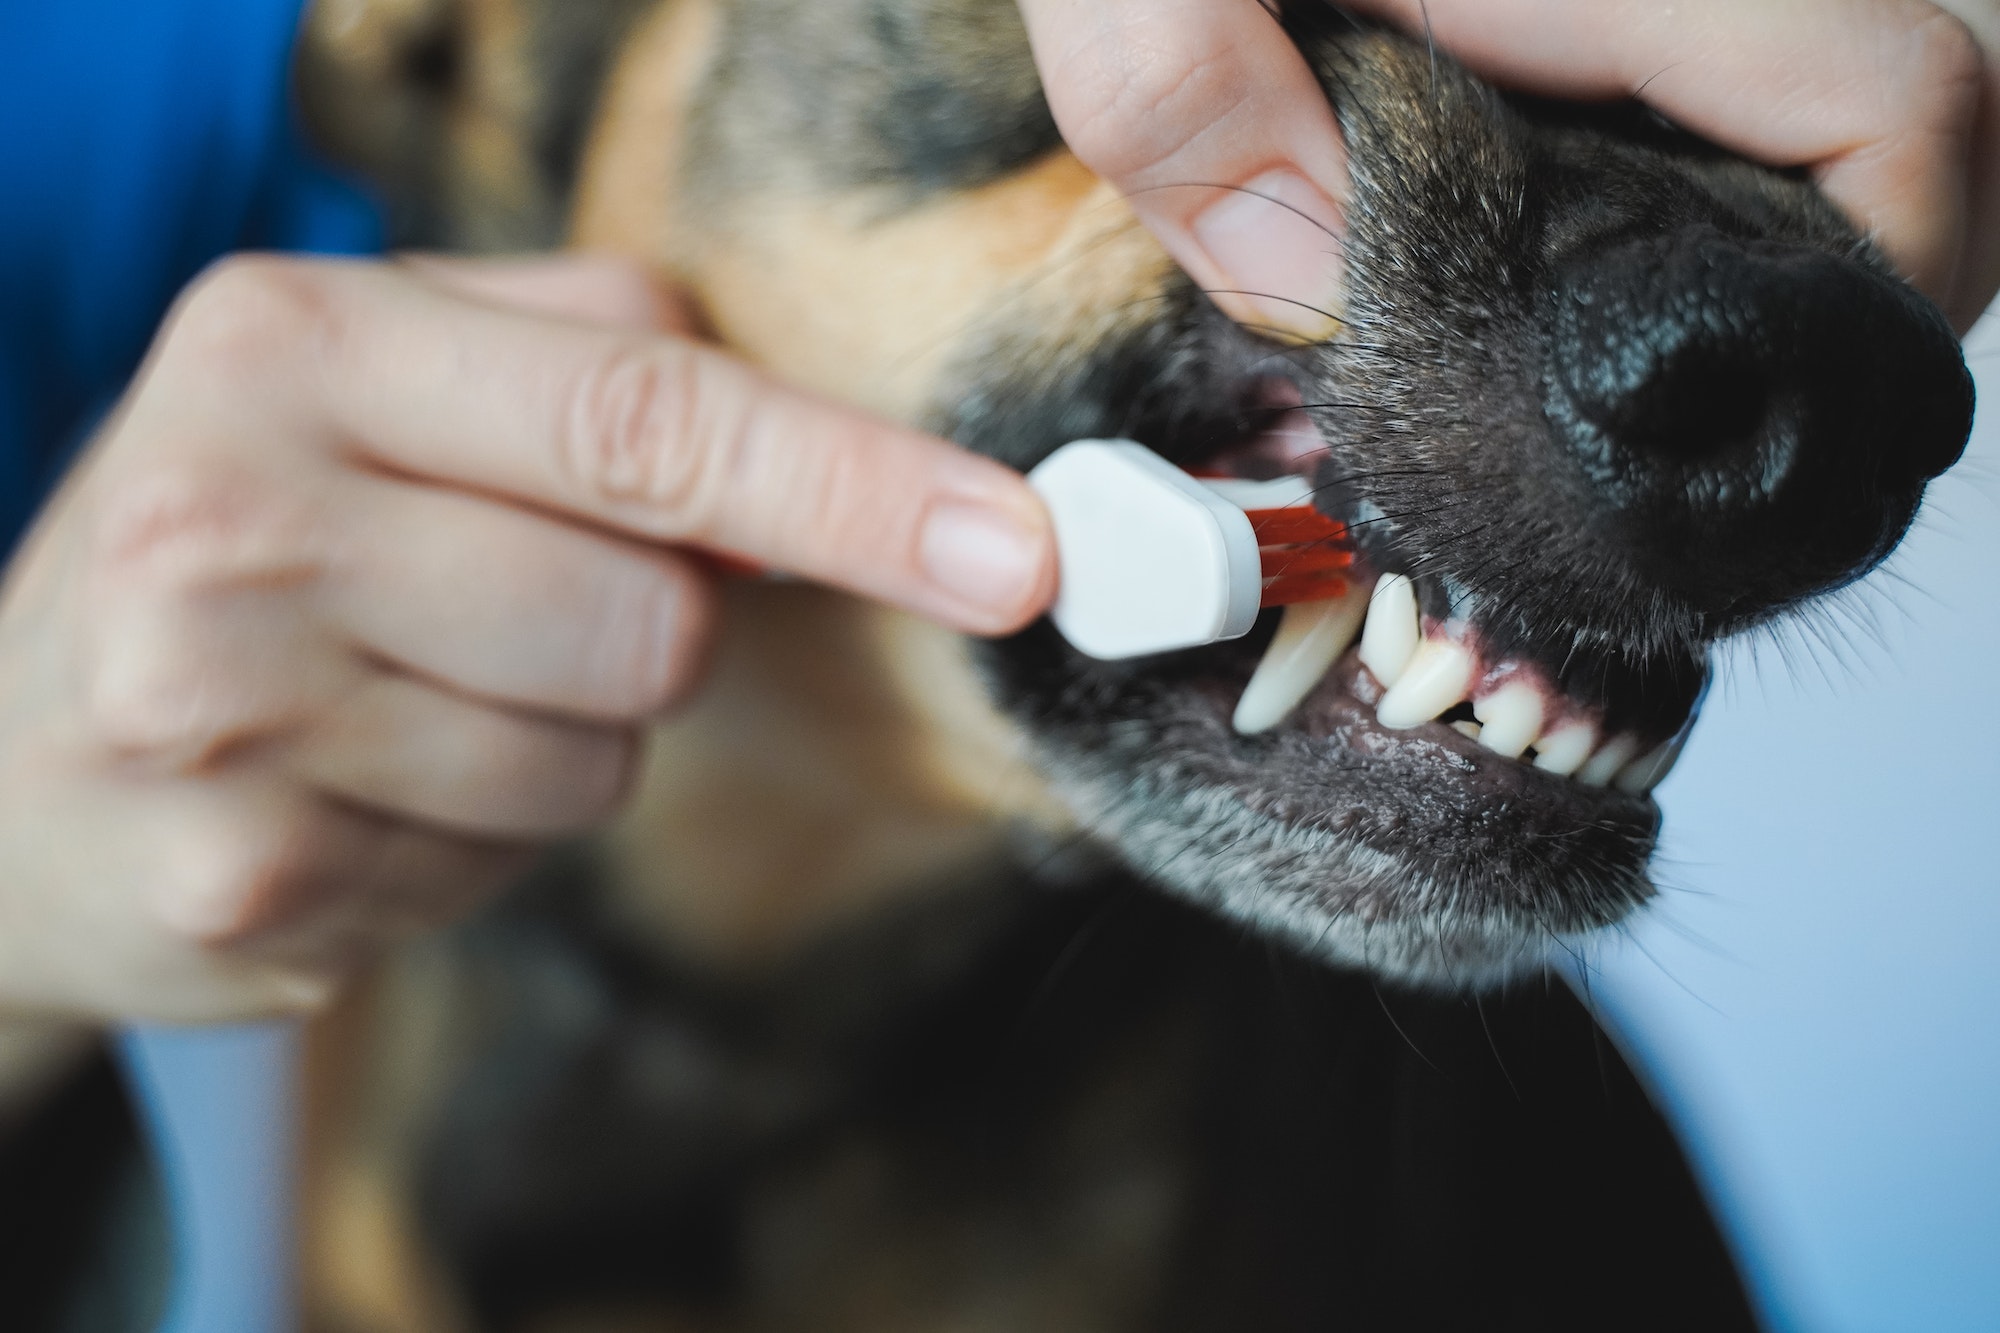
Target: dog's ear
378,83
469,114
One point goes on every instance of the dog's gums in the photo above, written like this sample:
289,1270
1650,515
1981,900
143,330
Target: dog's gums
1434,673
1437,671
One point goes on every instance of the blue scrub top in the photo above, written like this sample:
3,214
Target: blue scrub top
139,140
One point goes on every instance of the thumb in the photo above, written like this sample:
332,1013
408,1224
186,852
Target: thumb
1204,114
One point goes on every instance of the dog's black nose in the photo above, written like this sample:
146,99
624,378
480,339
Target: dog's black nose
1756,419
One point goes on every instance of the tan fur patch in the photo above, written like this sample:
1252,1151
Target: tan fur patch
784,278
632,164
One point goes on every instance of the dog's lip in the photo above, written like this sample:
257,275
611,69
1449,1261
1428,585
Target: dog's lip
1642,721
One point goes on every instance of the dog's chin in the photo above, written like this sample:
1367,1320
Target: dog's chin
1414,854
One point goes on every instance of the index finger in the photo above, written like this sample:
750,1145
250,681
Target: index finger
667,440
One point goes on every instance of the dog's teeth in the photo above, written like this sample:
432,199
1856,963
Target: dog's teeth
1648,770
1563,750
1439,676
1612,756
1389,639
1510,718
1310,638
1469,730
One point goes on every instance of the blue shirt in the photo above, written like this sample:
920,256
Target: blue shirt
139,139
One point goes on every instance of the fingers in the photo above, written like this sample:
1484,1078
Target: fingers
409,749
1203,113
1880,98
246,859
517,606
670,441
1979,270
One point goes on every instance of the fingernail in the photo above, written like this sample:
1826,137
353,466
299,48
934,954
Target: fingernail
1276,245
982,557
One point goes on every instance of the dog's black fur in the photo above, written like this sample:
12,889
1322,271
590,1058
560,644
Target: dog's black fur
1609,393
1606,392
1608,396
1077,1107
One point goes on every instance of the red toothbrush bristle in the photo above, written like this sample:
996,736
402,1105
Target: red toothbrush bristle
1293,561
1305,555
1277,527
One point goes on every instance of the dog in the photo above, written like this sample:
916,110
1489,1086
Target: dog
932,984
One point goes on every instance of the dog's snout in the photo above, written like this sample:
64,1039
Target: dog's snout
1755,419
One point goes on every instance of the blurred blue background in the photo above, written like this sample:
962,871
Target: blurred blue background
1816,995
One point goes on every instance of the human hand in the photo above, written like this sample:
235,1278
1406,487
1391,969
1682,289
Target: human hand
369,585
1893,105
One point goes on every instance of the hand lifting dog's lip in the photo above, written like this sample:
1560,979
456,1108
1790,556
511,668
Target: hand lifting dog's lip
1577,436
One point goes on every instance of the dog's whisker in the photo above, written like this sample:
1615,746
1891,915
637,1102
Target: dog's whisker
1275,202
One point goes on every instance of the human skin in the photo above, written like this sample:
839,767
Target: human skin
369,587
1892,105
373,581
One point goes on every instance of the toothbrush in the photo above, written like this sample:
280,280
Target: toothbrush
1156,559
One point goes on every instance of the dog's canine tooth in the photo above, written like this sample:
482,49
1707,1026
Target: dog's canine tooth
1563,750
1310,638
1389,638
1649,770
1613,755
1439,676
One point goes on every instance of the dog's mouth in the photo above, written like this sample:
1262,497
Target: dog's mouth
1441,677
1404,653
1396,776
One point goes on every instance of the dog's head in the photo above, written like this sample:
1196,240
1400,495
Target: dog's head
1601,393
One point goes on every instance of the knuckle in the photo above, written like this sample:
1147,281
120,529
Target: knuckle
141,710
182,522
246,311
172,543
652,427
166,707
238,878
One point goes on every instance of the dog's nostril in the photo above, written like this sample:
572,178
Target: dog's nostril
1671,376
1699,408
1710,418
1751,405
